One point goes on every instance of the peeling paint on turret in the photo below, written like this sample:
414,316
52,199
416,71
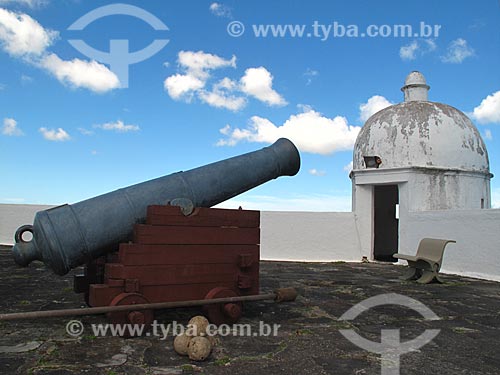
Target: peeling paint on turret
421,133
433,148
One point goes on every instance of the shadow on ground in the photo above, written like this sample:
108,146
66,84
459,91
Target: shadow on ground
308,339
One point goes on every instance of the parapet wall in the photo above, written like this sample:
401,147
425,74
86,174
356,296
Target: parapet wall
301,236
310,236
334,236
12,216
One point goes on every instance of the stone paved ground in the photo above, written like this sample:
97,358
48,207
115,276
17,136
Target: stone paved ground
308,340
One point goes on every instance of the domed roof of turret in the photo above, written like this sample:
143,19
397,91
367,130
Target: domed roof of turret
415,78
420,133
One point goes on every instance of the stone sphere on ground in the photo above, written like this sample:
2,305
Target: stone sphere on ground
199,348
198,325
181,343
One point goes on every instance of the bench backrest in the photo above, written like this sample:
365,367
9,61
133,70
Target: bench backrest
432,249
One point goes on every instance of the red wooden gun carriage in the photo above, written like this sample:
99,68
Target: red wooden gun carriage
212,253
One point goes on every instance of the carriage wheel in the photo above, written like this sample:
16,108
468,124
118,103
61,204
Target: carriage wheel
142,317
222,312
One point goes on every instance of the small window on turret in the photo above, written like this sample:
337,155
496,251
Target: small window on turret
372,161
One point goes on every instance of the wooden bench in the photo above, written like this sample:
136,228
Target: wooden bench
425,265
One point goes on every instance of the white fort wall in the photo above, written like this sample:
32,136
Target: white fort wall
12,216
310,236
335,236
301,236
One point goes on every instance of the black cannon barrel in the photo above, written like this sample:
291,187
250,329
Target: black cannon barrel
67,236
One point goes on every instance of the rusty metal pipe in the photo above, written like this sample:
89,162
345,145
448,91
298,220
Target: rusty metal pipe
279,295
67,236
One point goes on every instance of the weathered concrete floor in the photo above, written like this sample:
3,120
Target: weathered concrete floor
308,342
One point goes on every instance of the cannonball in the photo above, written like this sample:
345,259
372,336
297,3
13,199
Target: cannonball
198,325
199,348
181,343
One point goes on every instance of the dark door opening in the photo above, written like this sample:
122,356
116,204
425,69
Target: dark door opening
385,242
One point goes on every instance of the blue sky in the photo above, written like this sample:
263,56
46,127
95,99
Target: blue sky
70,132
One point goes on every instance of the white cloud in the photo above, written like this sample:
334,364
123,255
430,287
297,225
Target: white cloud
310,131
226,130
10,127
348,168
489,109
180,85
21,35
305,107
310,74
2,86
488,135
430,44
457,51
316,172
373,105
118,126
196,70
200,63
28,3
409,51
258,82
58,135
221,96
196,67
220,10
80,73
417,48
220,100
310,202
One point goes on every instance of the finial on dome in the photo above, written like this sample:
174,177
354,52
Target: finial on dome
415,87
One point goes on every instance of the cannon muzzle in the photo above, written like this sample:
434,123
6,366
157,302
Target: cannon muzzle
67,236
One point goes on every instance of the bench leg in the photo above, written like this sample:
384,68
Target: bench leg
412,273
428,277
